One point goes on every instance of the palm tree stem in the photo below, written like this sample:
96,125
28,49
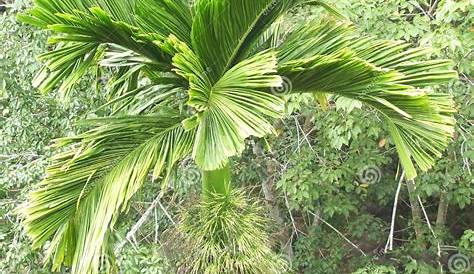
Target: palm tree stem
216,181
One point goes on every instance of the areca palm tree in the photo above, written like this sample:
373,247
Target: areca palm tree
197,79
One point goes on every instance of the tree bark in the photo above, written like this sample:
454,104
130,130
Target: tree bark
442,206
275,211
442,209
417,214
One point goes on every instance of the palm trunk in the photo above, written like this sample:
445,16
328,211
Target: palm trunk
415,210
216,182
442,209
275,213
307,127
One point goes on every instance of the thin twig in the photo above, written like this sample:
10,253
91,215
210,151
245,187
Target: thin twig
465,159
389,245
438,245
131,234
298,134
340,233
422,10
166,212
156,225
305,135
291,214
433,8
429,225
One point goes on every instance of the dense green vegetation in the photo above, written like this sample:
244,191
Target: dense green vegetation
326,181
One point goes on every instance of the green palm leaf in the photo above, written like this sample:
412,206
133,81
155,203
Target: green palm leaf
67,64
232,109
45,12
82,28
90,184
166,17
224,30
329,58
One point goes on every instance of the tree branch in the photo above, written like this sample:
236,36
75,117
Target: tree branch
389,245
131,234
338,232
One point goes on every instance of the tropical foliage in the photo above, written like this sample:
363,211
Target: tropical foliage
190,80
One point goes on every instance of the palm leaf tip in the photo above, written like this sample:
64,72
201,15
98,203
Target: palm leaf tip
82,29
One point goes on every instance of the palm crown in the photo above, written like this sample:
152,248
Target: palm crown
211,69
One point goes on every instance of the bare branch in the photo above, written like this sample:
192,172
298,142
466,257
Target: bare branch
429,225
389,245
340,233
131,234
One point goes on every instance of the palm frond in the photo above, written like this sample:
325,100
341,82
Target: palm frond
166,17
224,31
330,58
232,109
82,33
67,64
330,38
44,12
329,7
144,99
135,86
91,183
97,26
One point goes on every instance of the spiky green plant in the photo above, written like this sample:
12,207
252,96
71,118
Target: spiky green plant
199,79
225,233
